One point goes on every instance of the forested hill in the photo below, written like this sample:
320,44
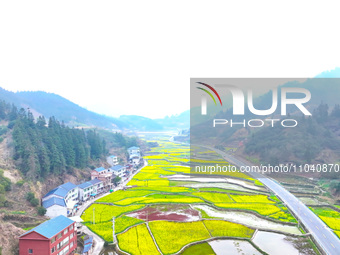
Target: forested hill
44,147
315,140
49,104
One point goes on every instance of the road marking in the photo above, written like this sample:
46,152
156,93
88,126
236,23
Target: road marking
333,246
310,220
324,235
317,227
305,214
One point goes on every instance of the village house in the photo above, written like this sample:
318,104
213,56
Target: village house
90,189
53,237
98,186
55,206
134,155
118,170
105,176
65,195
101,170
112,160
133,150
85,191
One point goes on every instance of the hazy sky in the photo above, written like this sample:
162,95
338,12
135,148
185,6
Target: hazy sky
137,57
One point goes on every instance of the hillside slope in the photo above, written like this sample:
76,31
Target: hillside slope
49,104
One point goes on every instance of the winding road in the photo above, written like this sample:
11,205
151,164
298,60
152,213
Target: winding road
327,241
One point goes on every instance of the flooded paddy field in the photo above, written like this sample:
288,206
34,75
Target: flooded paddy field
248,219
167,212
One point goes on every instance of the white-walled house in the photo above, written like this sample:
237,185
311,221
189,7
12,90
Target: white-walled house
55,206
112,160
118,170
85,191
134,155
133,150
98,186
89,188
67,192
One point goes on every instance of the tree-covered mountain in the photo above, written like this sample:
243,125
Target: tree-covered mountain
180,121
315,140
48,147
49,104
140,123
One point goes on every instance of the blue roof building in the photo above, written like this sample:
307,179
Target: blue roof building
57,235
57,192
95,181
89,188
118,170
51,227
117,167
85,185
61,190
68,186
100,169
53,201
68,193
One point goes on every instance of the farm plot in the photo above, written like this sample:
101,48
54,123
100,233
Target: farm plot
100,213
218,228
177,234
137,240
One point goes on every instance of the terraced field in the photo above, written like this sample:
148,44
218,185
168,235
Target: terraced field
151,193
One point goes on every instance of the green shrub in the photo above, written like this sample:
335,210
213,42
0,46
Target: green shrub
32,199
41,210
20,183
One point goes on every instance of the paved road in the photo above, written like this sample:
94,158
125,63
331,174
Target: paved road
323,235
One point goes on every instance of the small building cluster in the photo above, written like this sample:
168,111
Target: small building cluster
64,199
58,236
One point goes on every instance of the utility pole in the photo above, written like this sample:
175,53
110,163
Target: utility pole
113,231
93,216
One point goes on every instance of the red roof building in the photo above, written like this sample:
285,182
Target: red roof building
57,236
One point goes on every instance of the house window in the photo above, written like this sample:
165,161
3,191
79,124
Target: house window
59,235
71,236
71,227
53,240
53,249
71,245
65,231
30,251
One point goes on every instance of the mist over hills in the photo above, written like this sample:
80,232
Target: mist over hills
50,104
